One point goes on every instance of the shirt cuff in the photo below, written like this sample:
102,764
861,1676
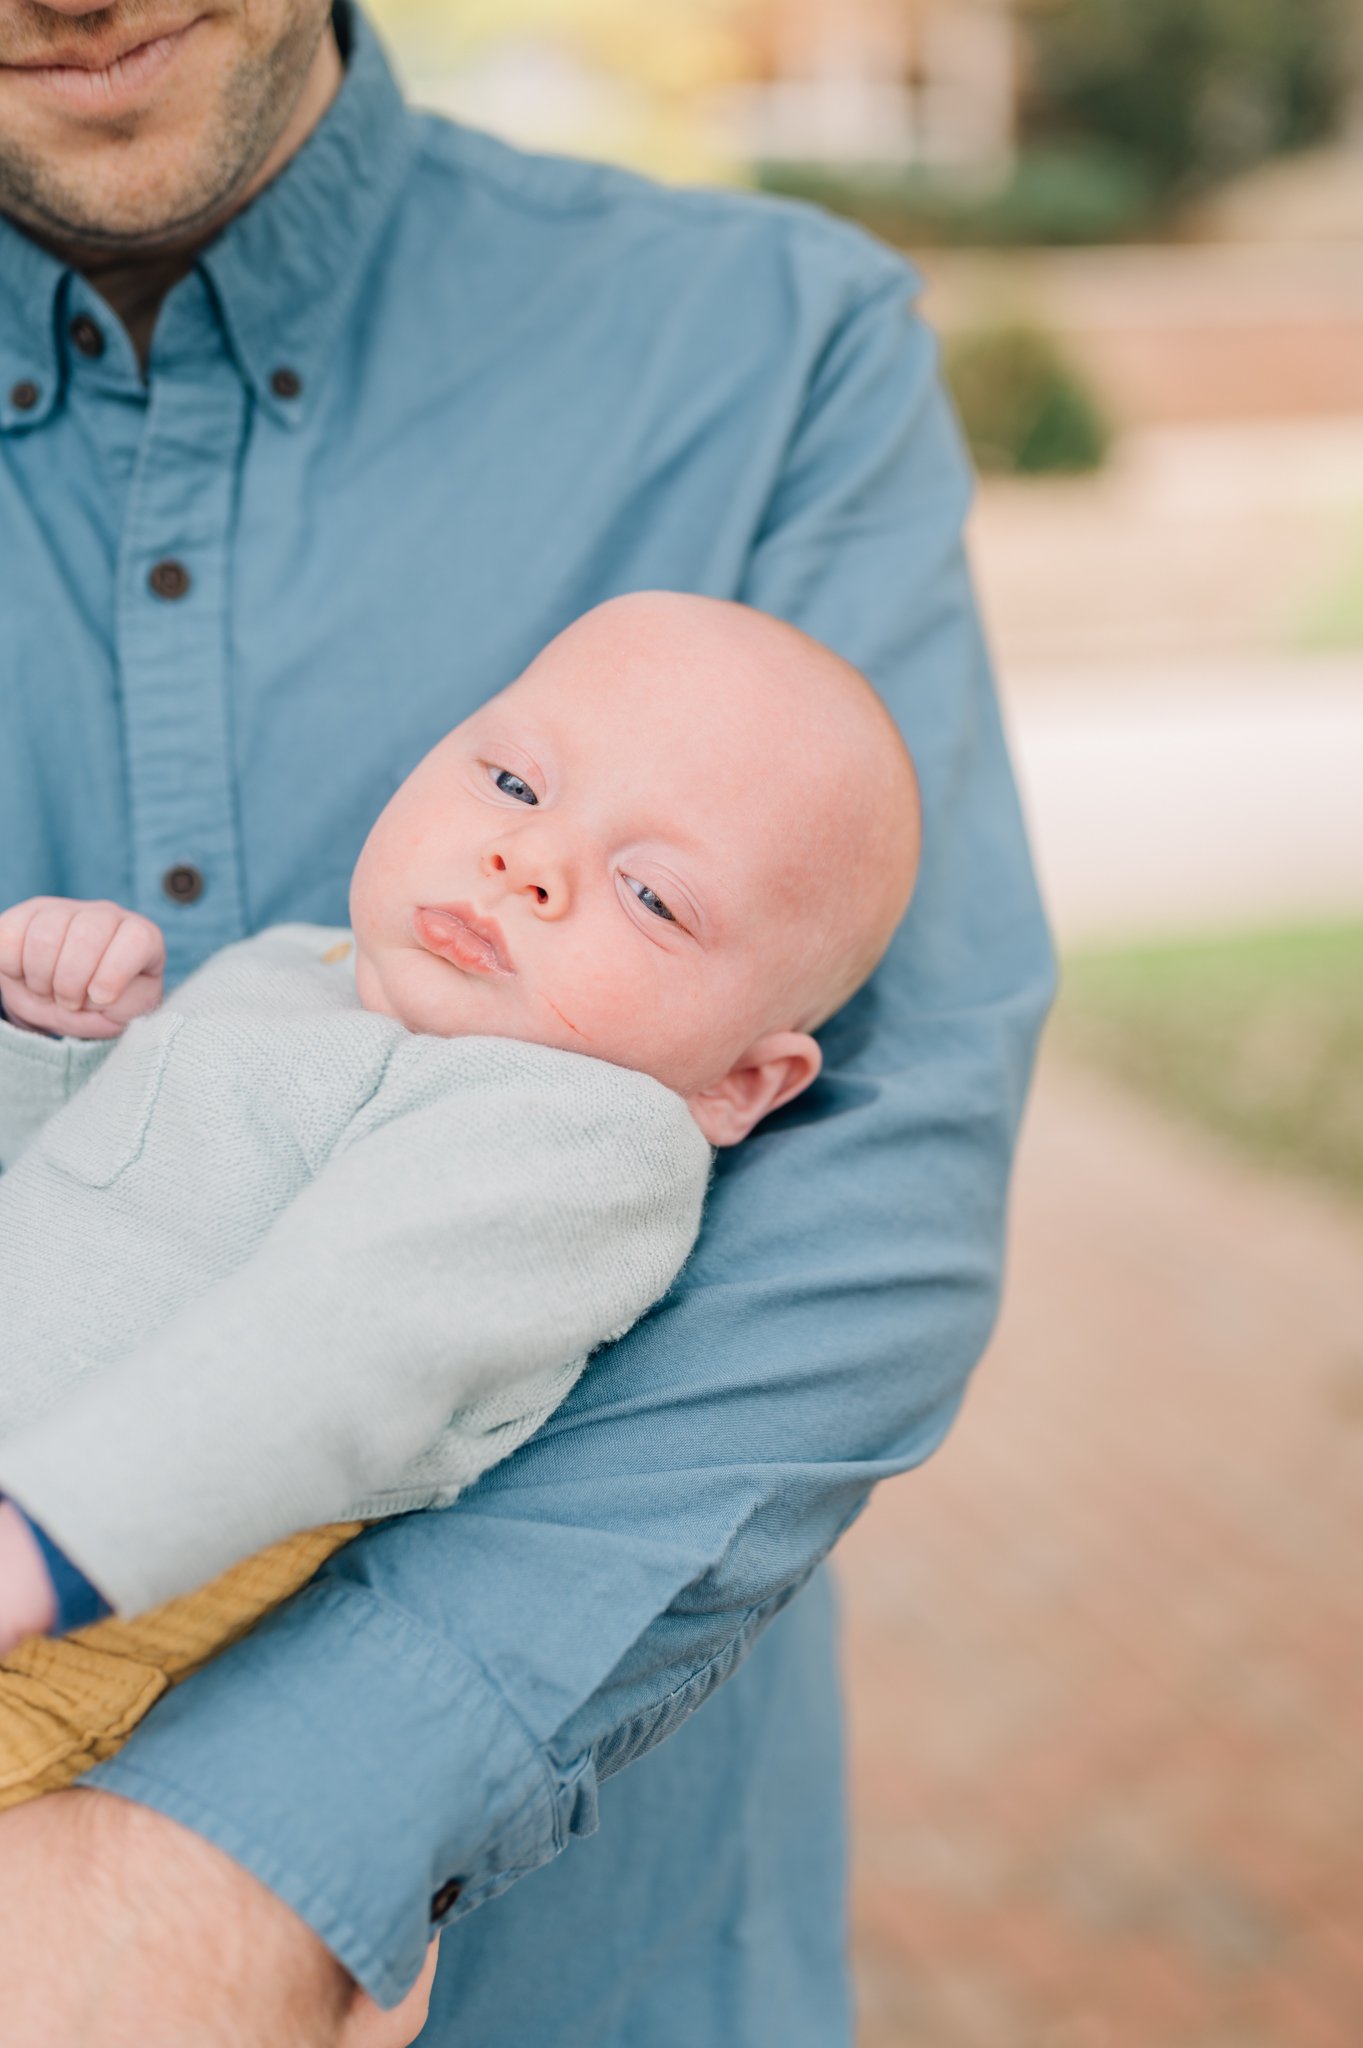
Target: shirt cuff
78,1602
365,1770
38,1076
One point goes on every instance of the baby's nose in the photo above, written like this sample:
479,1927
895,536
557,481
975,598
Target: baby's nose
538,875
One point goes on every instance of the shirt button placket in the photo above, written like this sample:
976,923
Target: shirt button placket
173,639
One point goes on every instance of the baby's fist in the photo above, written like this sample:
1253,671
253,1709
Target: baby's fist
82,970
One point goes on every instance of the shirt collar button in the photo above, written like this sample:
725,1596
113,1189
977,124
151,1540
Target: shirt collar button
88,335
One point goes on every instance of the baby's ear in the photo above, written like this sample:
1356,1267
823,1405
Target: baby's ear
774,1069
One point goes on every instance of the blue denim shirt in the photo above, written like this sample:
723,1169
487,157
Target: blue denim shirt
516,386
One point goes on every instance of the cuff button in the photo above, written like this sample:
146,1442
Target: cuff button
442,1900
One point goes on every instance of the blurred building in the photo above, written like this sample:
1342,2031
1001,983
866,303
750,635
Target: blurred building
707,88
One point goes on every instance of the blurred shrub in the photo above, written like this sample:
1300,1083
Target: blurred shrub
1057,193
1025,410
1191,91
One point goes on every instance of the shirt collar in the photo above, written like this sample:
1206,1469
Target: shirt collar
284,272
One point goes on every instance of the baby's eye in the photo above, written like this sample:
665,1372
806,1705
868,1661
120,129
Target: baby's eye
650,899
512,785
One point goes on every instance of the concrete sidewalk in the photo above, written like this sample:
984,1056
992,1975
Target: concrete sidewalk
1104,1650
1186,799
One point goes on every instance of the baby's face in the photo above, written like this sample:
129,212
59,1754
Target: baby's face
582,863
612,856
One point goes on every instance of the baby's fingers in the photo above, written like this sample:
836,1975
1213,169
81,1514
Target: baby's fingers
13,925
43,940
137,950
89,929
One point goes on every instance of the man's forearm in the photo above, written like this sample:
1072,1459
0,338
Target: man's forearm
118,1926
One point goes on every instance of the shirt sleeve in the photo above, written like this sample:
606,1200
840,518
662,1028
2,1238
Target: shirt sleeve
459,1252
428,1720
39,1074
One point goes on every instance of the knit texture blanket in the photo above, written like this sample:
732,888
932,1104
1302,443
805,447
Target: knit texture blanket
270,1259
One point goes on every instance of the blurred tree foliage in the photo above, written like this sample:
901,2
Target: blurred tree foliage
1131,108
1026,411
1192,91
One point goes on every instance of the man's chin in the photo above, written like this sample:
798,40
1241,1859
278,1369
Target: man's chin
101,221
144,192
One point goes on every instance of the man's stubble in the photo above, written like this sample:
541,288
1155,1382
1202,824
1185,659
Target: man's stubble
217,164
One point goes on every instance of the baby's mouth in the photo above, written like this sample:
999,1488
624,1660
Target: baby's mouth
456,933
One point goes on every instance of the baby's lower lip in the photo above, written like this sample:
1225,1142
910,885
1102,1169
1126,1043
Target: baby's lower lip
440,932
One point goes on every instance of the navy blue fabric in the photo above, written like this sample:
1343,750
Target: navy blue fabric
523,385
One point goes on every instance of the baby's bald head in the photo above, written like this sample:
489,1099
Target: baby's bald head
679,841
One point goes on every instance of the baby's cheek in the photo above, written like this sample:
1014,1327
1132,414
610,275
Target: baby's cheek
680,1033
589,1005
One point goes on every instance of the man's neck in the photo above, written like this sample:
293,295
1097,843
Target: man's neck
134,287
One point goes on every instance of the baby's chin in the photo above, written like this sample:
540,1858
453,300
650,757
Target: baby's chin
422,993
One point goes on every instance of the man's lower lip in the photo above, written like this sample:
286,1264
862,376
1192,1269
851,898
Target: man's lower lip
105,92
440,932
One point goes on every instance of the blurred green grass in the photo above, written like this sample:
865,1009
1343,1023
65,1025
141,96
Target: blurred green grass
1332,618
1259,1038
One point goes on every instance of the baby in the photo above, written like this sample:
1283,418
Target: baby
335,1227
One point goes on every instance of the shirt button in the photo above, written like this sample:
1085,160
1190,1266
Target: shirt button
446,1897
183,884
169,579
286,383
88,335
24,395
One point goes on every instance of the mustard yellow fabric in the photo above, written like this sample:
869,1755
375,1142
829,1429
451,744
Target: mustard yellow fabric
68,1703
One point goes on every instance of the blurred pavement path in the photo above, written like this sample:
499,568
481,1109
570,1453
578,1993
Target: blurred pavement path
1104,1649
1167,801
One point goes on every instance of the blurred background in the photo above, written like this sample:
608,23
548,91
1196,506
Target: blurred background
1104,1652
